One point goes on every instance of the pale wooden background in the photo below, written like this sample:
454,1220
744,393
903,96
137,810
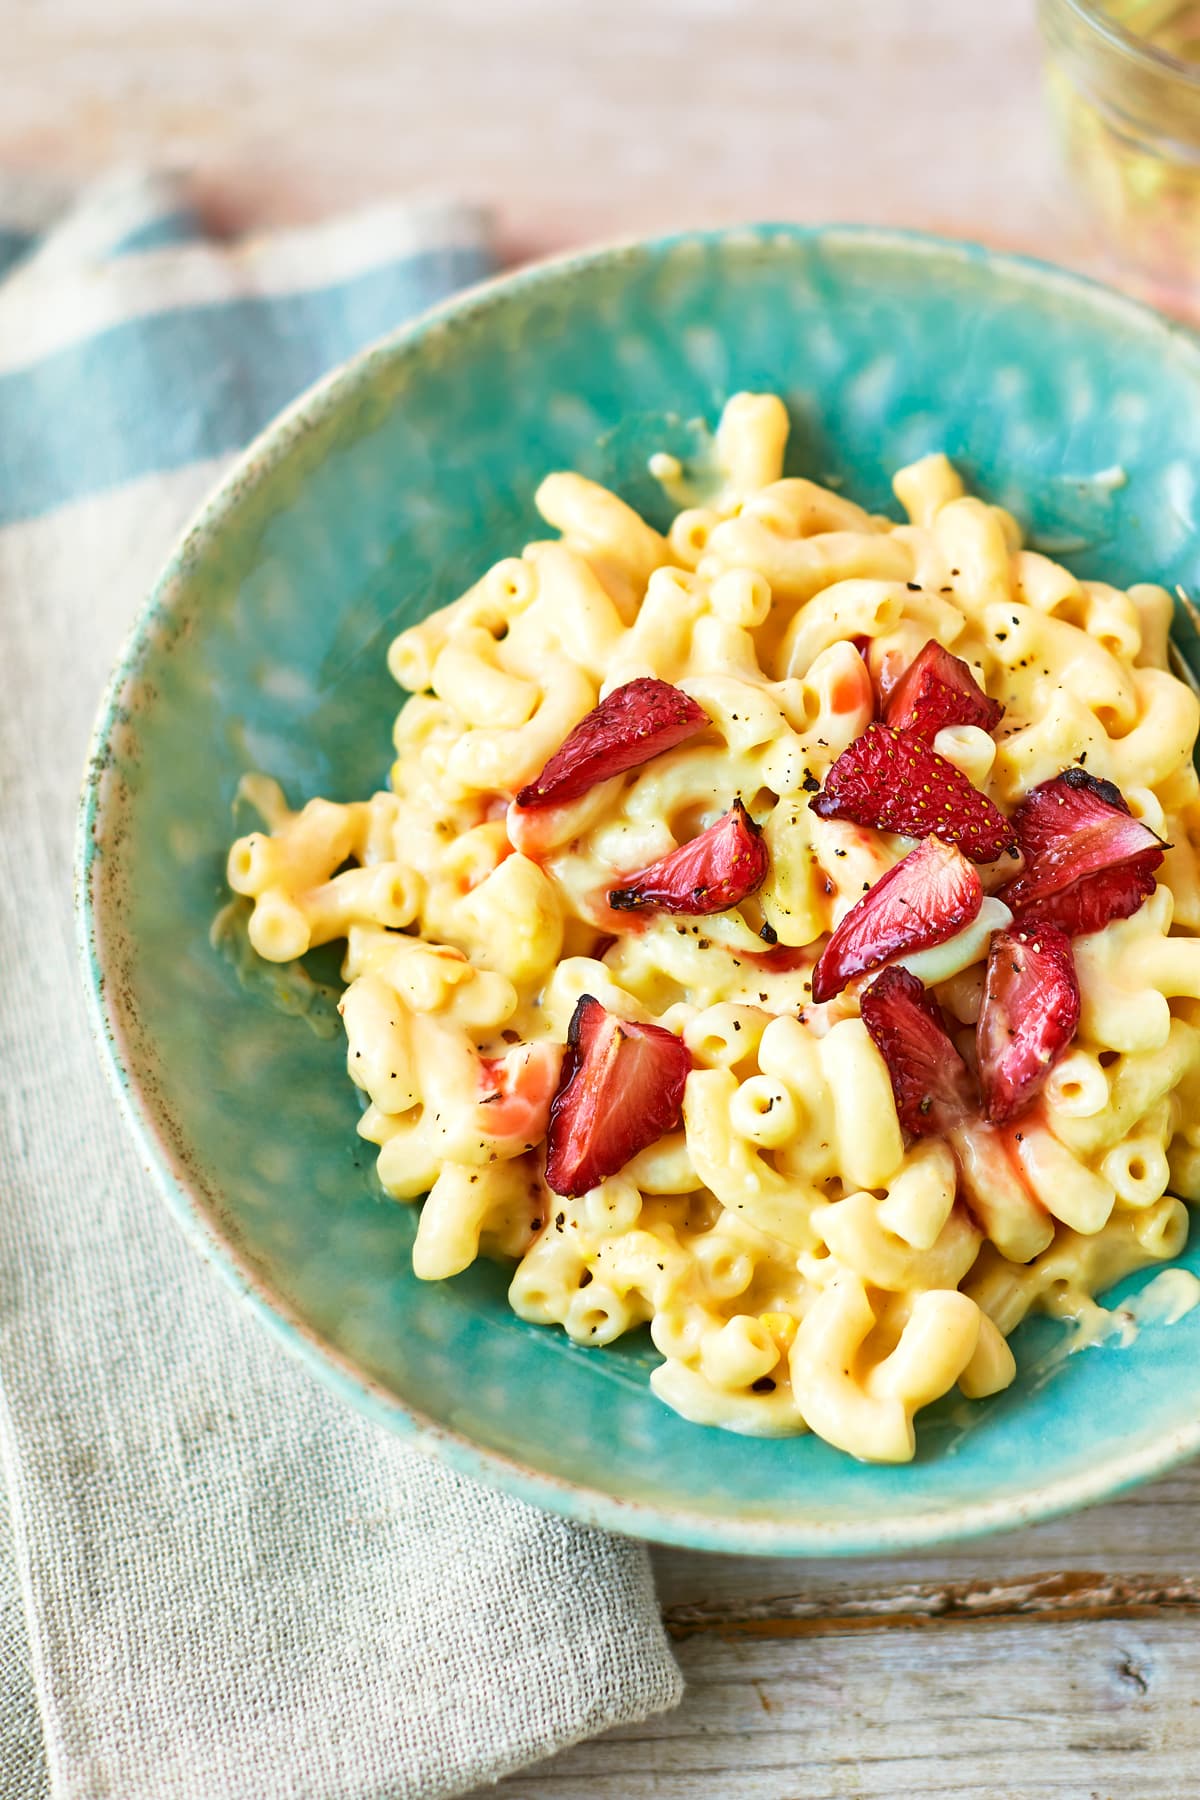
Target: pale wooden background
1061,1662
578,119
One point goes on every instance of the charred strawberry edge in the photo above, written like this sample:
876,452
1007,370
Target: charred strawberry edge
1078,781
1046,925
1047,889
629,727
651,887
1099,785
1084,781
1049,1031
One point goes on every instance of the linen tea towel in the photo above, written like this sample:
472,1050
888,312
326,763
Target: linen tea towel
220,1584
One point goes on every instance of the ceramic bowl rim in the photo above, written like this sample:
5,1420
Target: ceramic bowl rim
582,1503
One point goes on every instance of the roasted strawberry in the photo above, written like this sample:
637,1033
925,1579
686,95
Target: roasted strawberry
1075,815
1087,859
923,901
894,782
633,724
937,690
1093,903
931,1082
621,1089
710,874
1029,1015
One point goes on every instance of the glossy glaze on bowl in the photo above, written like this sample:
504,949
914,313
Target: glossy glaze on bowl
381,495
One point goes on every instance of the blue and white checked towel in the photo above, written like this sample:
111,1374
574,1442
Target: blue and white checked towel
218,1583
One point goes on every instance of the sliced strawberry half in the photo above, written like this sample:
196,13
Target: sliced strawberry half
1087,859
713,872
931,1082
1093,903
1076,816
630,726
923,901
621,1089
1029,1015
937,690
894,782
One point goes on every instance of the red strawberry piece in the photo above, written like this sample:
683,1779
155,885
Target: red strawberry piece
1087,859
896,783
621,1090
936,690
931,1082
1093,903
633,724
923,901
710,874
1075,815
1029,1015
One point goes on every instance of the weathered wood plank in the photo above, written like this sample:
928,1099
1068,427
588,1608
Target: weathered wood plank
996,1711
1059,1661
1140,1552
1049,1597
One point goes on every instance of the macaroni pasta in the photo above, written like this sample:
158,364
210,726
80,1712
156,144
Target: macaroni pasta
802,1260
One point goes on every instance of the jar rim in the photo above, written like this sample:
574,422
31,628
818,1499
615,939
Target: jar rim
1162,62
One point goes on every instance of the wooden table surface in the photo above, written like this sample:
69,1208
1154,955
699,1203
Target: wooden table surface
1061,1661
1064,1661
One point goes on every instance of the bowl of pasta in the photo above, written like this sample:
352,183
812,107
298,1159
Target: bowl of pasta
674,981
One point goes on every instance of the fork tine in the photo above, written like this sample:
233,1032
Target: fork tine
1181,667
1189,606
1179,662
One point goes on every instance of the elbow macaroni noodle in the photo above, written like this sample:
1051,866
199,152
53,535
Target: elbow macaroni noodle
799,1264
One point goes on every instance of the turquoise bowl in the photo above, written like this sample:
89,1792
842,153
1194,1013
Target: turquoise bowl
383,493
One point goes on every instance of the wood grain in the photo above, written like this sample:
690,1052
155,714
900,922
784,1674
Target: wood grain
997,1711
1060,1661
1135,1554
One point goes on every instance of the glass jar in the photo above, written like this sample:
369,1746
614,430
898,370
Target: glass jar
1124,82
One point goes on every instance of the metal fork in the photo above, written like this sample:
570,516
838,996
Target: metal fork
1180,665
